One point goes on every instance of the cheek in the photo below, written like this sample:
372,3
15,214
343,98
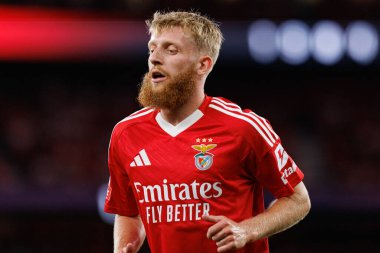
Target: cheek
182,66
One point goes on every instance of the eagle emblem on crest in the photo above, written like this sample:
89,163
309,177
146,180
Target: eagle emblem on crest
204,159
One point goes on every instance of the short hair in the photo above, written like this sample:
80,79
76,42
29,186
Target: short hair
206,32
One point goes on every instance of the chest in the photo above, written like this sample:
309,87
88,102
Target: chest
202,154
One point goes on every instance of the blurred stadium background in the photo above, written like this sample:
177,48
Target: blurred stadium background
69,70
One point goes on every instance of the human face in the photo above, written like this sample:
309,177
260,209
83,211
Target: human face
171,79
172,52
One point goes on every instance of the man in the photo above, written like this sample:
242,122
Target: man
188,170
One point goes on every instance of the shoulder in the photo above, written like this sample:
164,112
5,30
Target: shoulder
243,121
138,117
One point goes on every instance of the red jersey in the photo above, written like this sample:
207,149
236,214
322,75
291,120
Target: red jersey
217,161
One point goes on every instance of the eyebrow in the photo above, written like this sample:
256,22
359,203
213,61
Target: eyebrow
150,43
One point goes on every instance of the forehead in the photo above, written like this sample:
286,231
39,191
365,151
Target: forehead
175,35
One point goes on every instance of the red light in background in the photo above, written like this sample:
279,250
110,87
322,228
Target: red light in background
55,35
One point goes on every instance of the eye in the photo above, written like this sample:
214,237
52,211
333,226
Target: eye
151,49
172,50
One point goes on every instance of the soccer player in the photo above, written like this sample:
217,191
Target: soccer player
188,170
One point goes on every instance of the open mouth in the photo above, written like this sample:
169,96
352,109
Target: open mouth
158,76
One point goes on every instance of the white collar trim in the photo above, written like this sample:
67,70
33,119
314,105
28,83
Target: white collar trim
180,127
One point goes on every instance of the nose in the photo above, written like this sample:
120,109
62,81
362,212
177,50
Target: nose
155,57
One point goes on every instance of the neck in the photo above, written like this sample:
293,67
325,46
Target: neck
179,114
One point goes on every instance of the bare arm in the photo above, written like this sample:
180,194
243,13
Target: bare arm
129,234
282,214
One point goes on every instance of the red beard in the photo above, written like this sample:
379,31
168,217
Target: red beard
172,95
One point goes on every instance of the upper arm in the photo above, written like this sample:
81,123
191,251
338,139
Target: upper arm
128,229
300,199
131,222
120,196
278,173
301,195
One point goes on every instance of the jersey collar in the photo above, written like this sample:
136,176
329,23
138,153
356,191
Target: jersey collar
184,124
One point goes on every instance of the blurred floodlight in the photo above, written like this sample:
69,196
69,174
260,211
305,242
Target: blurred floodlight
262,41
293,42
362,42
327,42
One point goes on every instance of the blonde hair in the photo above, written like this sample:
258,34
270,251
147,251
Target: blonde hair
205,32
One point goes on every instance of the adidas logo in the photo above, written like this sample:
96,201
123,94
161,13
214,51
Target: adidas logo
141,160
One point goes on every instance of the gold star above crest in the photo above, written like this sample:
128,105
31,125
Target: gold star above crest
204,140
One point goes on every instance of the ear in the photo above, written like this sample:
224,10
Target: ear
205,65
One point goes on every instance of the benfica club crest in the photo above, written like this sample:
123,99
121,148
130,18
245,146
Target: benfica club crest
204,159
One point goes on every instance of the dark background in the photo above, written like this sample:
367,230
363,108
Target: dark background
57,117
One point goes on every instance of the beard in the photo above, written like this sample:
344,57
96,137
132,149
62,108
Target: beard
172,95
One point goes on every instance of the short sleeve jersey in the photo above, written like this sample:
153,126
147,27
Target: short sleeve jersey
217,161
